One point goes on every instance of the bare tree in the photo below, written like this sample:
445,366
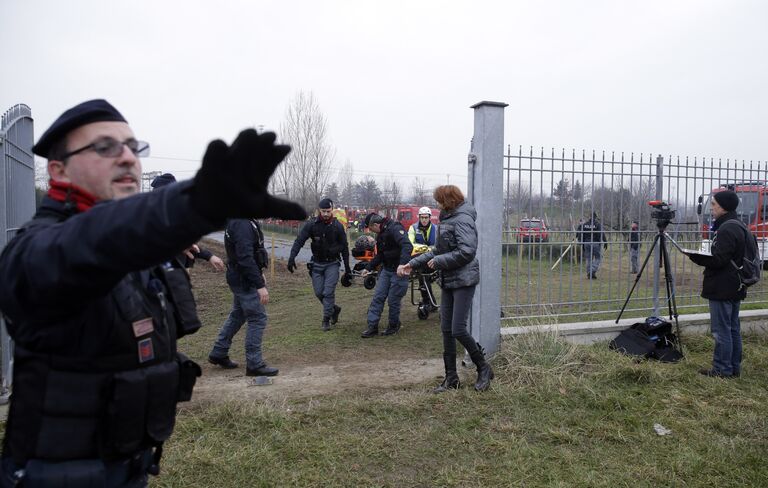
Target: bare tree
308,165
419,192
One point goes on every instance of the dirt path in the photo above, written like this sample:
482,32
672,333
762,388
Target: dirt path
295,382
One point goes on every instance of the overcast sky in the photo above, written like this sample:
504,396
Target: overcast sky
395,79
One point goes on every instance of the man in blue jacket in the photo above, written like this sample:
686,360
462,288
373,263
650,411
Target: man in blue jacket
392,249
246,258
329,247
95,300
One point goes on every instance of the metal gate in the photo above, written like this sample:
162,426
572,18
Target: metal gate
17,194
549,194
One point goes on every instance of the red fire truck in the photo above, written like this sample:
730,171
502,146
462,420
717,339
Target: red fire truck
407,214
752,210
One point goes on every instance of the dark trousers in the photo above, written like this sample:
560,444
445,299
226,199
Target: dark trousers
454,319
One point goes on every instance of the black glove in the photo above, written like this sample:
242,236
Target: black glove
291,264
605,246
232,181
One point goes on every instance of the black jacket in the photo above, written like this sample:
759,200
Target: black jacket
329,241
89,302
634,239
246,255
721,280
591,231
392,246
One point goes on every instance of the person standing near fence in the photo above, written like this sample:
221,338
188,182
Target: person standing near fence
722,285
455,257
592,238
634,248
95,301
329,249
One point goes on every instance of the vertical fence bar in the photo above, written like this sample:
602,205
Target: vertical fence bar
486,167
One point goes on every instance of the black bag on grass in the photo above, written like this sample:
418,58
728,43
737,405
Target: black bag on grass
652,339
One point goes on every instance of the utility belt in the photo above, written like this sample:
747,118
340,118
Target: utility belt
325,260
79,473
61,413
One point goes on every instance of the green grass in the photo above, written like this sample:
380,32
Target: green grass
557,415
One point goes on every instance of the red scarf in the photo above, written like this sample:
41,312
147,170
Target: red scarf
69,193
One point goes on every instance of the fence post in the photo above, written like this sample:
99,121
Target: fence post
485,192
657,253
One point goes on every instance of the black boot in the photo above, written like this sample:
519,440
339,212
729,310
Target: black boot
371,331
335,316
326,324
484,371
392,329
451,381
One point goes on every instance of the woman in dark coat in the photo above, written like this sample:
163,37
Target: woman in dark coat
454,256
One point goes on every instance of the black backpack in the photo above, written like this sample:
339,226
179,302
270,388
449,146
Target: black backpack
652,339
752,265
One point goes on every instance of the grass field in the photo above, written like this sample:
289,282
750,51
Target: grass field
556,415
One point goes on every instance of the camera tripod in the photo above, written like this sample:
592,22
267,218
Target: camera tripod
660,239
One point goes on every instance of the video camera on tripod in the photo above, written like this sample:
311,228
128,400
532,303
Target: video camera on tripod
662,212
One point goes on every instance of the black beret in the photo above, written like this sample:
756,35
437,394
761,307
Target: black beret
372,218
79,115
325,203
162,180
727,199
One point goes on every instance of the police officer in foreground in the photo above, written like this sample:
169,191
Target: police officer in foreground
392,249
592,238
95,301
329,247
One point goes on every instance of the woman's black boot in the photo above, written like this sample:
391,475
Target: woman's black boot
484,371
451,381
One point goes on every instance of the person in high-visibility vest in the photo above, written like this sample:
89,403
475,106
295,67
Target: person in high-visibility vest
423,235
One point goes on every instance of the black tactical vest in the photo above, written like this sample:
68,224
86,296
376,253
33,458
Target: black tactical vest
113,389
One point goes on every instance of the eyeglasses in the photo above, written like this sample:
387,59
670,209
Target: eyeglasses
108,147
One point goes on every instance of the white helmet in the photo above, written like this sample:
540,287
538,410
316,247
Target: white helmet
425,211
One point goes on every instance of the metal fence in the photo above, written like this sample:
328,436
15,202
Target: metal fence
17,194
548,194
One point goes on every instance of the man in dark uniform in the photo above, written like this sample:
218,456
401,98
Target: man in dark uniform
591,235
329,246
246,258
95,301
195,252
392,249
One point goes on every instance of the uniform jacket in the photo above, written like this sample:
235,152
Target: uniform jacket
721,280
591,231
427,236
455,249
392,246
246,255
329,241
73,286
